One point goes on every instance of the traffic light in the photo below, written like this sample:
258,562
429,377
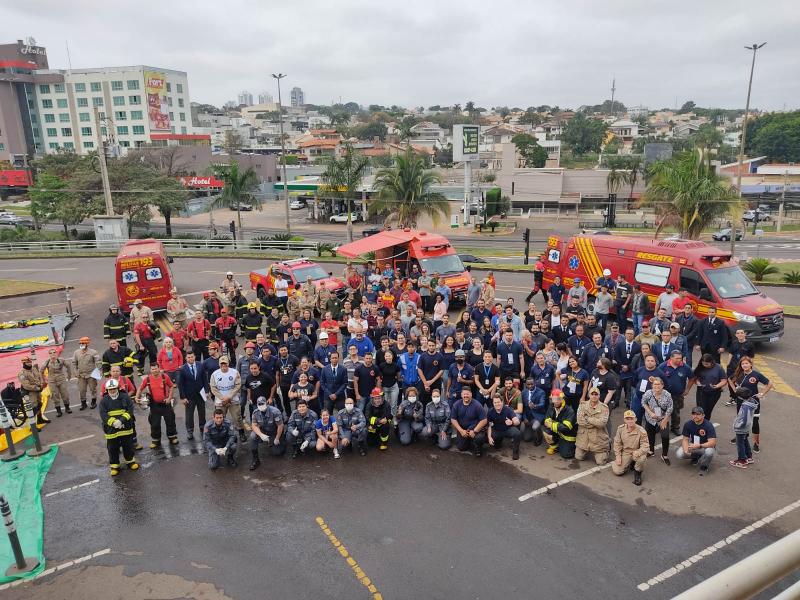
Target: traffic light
232,227
526,235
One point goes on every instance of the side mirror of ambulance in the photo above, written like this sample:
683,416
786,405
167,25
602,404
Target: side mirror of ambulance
705,294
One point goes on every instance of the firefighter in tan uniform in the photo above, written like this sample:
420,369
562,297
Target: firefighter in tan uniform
140,313
58,374
630,448
31,383
84,362
176,308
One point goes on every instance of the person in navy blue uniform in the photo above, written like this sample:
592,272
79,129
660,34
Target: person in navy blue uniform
534,407
219,438
468,418
333,384
676,375
699,443
503,423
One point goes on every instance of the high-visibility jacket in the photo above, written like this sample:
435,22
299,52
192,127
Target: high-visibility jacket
117,358
561,421
115,326
251,325
112,409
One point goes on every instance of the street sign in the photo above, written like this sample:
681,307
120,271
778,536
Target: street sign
465,142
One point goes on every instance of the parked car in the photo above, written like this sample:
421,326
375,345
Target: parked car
750,216
241,206
298,204
724,235
16,221
371,231
470,258
342,217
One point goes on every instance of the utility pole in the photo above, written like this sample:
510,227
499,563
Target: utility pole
782,204
613,91
101,155
280,76
754,48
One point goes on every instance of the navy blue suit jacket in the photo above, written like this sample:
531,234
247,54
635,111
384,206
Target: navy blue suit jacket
189,387
333,385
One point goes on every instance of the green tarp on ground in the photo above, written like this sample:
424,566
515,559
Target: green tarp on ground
21,483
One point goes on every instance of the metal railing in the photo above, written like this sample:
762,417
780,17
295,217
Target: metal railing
753,574
169,244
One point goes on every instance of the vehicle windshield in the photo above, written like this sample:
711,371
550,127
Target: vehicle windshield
314,271
444,265
731,282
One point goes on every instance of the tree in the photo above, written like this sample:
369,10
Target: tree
343,177
404,127
776,135
504,112
169,197
533,155
370,131
583,135
687,107
531,117
233,142
404,192
687,192
51,202
470,108
444,156
239,187
457,108
707,136
635,167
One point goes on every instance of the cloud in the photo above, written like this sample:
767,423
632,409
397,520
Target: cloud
434,52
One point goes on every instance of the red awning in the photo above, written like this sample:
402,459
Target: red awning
385,239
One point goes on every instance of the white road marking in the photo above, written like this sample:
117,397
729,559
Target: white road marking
580,475
78,439
225,273
61,567
74,487
30,309
708,551
43,270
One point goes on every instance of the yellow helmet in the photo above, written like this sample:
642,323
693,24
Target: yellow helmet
251,305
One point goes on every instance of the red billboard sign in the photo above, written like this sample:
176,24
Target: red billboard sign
201,182
15,178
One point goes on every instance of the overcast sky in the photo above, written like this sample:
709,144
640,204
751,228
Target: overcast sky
412,53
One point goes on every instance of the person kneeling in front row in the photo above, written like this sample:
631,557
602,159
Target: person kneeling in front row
220,440
468,418
437,422
699,443
267,428
503,423
352,427
630,448
559,426
410,417
300,430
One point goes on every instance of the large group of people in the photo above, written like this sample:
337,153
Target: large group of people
302,370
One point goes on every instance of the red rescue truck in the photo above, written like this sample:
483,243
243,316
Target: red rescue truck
295,271
142,271
404,247
711,276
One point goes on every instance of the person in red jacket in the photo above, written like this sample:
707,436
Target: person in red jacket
144,334
158,388
226,329
169,359
199,331
180,336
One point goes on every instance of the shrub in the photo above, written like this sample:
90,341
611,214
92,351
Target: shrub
760,267
792,277
326,247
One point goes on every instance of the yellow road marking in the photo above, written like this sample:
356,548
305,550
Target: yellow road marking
357,571
780,360
778,383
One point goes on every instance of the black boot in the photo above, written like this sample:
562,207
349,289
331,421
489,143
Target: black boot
41,419
362,449
232,460
94,403
637,477
256,461
83,405
67,409
58,411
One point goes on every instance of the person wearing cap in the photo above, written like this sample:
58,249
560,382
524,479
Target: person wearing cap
211,363
158,388
140,313
219,439
84,362
268,429
226,326
115,325
237,303
300,430
665,300
577,291
630,448
602,304
323,351
229,284
116,417
225,385
191,386
680,341
699,441
176,307
646,335
333,383
32,383
559,426
298,343
199,332
592,433
676,375
410,417
460,374
379,420
58,373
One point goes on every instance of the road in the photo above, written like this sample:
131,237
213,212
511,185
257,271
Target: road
414,521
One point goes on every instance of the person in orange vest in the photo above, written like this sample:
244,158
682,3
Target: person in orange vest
490,279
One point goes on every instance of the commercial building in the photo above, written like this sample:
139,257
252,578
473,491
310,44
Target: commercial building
265,98
44,110
245,98
298,97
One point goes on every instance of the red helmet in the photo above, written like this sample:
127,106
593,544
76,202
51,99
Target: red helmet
296,325
376,392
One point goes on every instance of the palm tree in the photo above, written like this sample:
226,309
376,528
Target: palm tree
404,192
343,177
404,127
633,174
614,181
688,193
239,187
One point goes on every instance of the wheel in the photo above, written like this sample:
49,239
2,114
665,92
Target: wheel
725,238
261,292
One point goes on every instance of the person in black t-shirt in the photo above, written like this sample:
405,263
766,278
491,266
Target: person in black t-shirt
258,384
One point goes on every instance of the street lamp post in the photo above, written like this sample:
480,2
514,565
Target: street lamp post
280,76
754,48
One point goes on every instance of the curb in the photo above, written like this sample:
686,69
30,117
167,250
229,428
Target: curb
776,284
36,293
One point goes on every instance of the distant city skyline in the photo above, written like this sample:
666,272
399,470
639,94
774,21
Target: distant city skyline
430,53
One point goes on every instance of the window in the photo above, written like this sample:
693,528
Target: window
80,87
59,88
52,132
69,146
97,102
95,86
47,104
169,101
44,88
136,115
2,146
134,99
122,130
120,115
169,86
88,145
138,130
61,103
182,116
63,118
179,87
125,144
183,129
691,280
53,145
133,84
66,131
731,282
116,86
171,116
49,118
87,131
83,102
33,119
84,117
129,276
119,100
651,274
103,131
152,273
180,102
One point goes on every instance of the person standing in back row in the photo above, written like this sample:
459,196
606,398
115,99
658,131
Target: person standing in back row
713,335
622,301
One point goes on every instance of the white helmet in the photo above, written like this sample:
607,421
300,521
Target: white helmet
606,272
112,384
323,335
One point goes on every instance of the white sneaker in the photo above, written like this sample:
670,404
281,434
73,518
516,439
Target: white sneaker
303,446
335,453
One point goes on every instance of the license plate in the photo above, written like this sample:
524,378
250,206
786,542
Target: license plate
774,338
